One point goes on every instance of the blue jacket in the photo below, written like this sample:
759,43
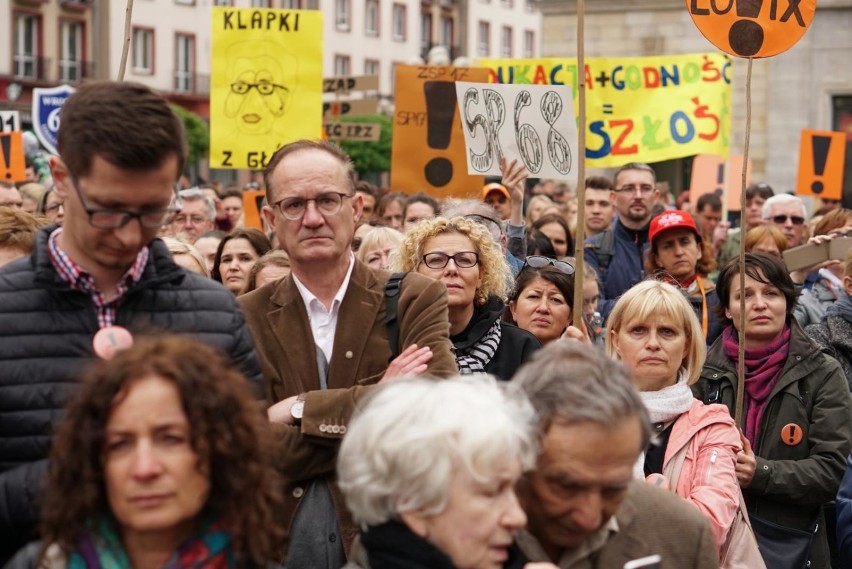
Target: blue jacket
625,267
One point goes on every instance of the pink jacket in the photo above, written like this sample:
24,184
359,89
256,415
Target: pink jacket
708,478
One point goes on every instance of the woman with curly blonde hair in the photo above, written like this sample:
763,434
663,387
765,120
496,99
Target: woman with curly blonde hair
462,254
161,461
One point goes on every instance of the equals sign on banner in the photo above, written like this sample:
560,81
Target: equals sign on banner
607,109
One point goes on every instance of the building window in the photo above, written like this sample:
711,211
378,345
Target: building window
425,31
291,4
26,46
143,50
484,39
507,3
184,63
447,36
506,42
342,65
371,67
371,18
343,15
399,23
529,44
70,51
223,2
185,2
261,3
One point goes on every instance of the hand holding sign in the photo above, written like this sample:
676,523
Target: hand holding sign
532,122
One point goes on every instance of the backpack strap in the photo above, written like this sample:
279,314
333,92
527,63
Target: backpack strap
392,288
604,249
674,467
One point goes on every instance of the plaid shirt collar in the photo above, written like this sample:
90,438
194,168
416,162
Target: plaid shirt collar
79,279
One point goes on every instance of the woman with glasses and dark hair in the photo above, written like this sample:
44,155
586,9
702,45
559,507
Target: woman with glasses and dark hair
543,298
797,415
463,255
680,257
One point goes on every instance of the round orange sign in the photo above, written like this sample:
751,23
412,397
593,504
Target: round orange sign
752,28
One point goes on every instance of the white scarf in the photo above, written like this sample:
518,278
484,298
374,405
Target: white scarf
664,406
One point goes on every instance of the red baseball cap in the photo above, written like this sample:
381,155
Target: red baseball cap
672,219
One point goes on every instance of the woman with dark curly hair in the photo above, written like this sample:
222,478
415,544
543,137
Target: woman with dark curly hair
160,462
237,252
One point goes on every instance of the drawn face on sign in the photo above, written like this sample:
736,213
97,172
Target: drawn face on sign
260,88
752,28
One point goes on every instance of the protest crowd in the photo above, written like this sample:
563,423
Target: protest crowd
374,379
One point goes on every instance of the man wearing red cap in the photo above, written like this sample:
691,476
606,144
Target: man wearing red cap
681,257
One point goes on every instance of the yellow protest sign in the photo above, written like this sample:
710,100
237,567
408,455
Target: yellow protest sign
428,153
752,28
265,83
645,109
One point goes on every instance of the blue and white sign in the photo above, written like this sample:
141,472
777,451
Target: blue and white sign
46,106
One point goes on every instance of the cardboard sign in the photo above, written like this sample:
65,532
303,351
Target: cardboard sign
10,121
752,28
47,103
12,160
639,109
711,173
350,108
822,156
362,131
534,123
346,84
252,204
265,83
428,153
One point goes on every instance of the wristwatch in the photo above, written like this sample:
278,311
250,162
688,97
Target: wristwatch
297,409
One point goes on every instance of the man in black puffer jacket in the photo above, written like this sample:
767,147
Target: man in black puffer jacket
121,148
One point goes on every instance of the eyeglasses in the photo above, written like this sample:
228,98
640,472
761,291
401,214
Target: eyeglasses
539,262
193,220
484,219
327,204
109,218
631,189
782,219
263,87
462,259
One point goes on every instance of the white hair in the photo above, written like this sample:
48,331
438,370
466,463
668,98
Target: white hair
197,194
781,199
410,436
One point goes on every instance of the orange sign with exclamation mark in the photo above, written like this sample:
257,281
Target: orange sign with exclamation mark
12,160
822,156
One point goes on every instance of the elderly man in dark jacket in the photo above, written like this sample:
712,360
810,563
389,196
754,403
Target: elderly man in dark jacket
103,272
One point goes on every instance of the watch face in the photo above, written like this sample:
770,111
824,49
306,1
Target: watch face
297,409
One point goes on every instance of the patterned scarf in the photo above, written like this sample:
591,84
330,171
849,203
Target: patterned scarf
210,548
763,368
476,357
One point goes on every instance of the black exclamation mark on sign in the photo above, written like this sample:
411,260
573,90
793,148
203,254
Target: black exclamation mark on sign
720,179
746,36
792,438
819,147
440,109
6,144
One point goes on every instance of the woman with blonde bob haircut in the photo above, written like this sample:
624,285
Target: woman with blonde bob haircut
653,331
428,470
377,246
463,255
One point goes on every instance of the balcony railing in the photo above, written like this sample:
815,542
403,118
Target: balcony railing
191,83
31,67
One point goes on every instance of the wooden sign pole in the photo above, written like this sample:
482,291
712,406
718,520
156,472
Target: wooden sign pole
581,168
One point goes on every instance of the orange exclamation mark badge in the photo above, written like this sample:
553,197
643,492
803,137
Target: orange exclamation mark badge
791,434
822,156
12,160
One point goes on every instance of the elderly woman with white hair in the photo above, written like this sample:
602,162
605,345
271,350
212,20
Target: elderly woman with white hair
428,469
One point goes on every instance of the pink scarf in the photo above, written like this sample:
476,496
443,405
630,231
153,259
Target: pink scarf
762,369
